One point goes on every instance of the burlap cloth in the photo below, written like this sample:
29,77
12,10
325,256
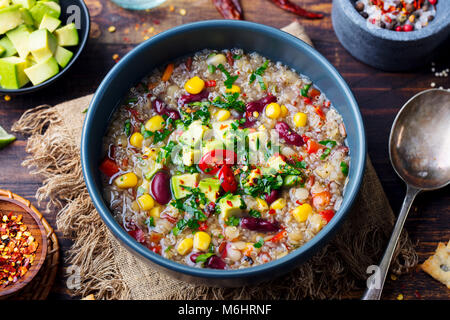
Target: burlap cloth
110,272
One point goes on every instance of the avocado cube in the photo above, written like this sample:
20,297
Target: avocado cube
256,140
28,4
26,16
2,51
179,183
42,71
19,38
213,145
190,156
42,44
43,8
231,205
194,133
153,169
10,17
210,187
12,75
4,4
50,23
221,129
67,35
63,56
275,164
8,46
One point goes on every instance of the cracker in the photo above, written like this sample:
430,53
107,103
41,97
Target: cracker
438,265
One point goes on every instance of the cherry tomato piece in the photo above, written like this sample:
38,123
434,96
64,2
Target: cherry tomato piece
227,179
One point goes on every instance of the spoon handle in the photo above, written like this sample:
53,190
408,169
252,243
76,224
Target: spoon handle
376,281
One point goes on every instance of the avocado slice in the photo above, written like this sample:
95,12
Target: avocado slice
42,44
10,17
230,205
12,75
8,46
181,181
210,187
50,23
43,8
19,38
63,56
190,156
194,133
213,145
28,4
42,71
26,16
67,35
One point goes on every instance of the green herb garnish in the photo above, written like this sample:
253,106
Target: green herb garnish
257,75
230,79
232,221
204,257
230,102
150,222
259,244
344,168
304,90
127,128
254,213
211,68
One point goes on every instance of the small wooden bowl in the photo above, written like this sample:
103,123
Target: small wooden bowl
10,202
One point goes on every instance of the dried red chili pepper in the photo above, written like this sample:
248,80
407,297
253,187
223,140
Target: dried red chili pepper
294,8
229,9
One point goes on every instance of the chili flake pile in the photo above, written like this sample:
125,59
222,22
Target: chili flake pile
398,15
17,249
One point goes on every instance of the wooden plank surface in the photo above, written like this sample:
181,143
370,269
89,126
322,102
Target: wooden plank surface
379,94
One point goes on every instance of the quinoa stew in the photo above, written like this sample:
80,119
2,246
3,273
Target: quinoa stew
224,160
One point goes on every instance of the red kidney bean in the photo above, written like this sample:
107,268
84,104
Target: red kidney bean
162,109
194,256
257,106
215,262
272,196
288,135
188,98
259,224
161,187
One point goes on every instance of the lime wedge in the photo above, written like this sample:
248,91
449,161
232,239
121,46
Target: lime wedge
5,138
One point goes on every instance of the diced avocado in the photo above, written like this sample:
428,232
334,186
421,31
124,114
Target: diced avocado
213,145
210,187
63,56
44,8
50,23
252,177
256,140
12,75
291,180
2,51
221,129
153,170
42,44
26,16
4,4
194,133
19,38
10,17
179,183
190,156
275,164
42,71
28,4
230,205
9,47
67,35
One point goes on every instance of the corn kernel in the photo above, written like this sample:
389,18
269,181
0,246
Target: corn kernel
223,114
146,202
155,212
155,123
127,180
255,114
284,111
234,89
185,246
400,297
262,204
278,204
202,241
136,140
300,119
194,85
273,110
301,213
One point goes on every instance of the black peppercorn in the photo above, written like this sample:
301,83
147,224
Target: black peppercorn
364,14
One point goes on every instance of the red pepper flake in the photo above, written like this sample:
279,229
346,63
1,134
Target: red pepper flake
229,203
210,83
202,226
17,249
272,211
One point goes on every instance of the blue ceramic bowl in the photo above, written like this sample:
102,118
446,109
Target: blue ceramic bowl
386,49
188,39
71,11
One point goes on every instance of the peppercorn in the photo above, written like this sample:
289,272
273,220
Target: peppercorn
364,14
430,18
359,6
382,25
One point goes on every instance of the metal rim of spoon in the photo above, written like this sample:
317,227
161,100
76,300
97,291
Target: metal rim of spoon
426,116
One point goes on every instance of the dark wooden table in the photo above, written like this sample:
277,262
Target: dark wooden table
379,94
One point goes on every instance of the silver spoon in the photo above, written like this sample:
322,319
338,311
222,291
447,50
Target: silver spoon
419,149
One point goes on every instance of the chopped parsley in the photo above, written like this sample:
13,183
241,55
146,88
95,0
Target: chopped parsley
202,113
127,127
232,221
211,68
330,144
204,257
344,168
150,222
190,206
254,213
304,90
132,100
237,57
264,185
230,79
230,102
259,244
257,75
164,152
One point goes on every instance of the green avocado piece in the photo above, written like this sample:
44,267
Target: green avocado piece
190,156
153,170
210,187
63,56
12,75
26,16
42,44
9,47
67,35
19,38
2,51
213,145
42,71
194,133
275,164
256,140
10,17
50,23
184,180
28,4
230,205
44,8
